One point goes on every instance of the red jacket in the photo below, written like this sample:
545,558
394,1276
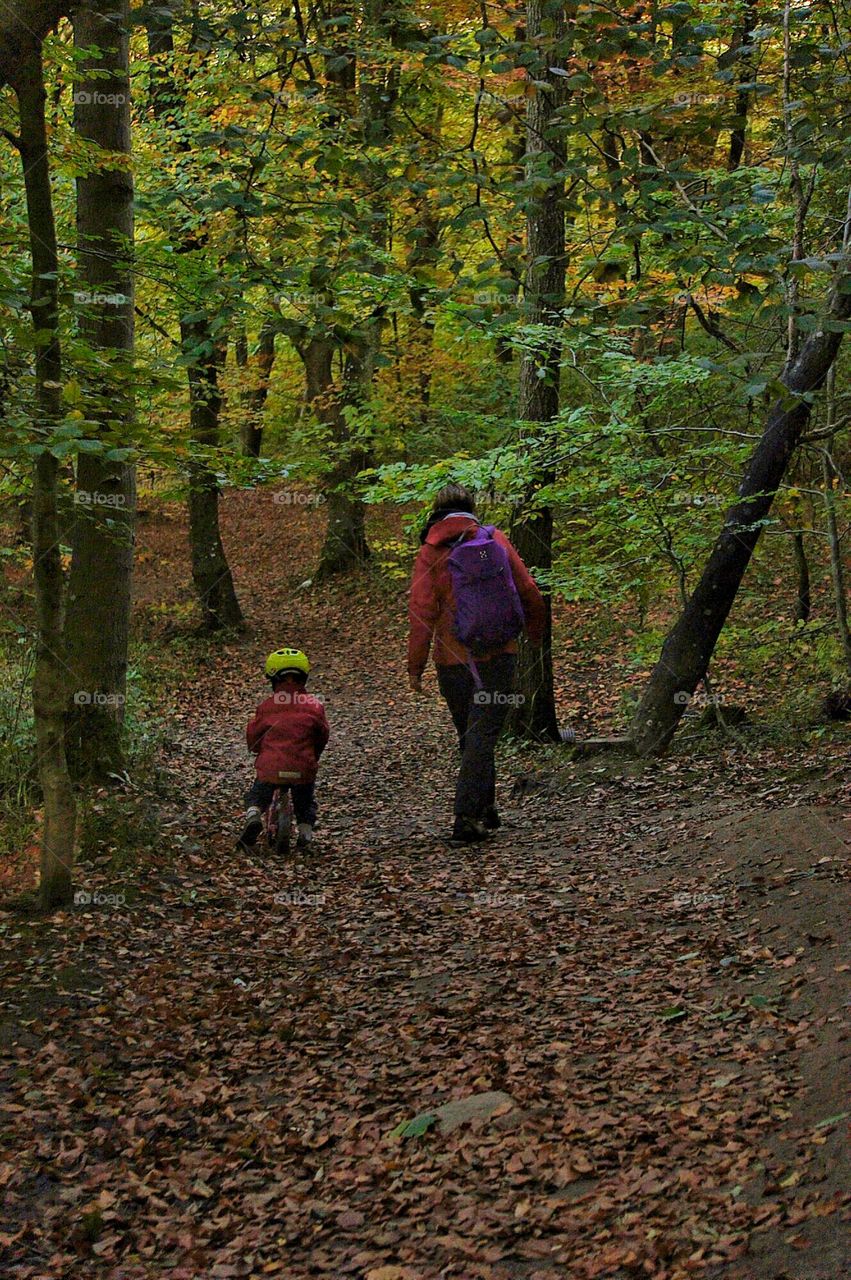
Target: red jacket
288,735
432,608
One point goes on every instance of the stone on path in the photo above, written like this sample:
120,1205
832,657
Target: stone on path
495,1105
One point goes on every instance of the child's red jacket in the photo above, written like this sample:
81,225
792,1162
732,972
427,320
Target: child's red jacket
288,735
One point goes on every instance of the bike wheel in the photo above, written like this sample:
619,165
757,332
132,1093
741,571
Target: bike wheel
283,832
271,821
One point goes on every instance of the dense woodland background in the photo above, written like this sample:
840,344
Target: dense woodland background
270,275
591,260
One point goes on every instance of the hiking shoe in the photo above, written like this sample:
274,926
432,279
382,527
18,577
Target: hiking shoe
305,836
491,821
251,831
467,831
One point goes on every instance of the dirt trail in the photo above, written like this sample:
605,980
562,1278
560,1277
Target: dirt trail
648,960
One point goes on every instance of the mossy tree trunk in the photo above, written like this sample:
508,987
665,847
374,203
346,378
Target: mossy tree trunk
99,587
50,681
532,526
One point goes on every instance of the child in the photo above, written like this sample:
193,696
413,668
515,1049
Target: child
288,735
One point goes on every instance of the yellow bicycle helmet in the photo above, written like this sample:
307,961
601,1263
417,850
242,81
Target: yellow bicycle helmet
283,660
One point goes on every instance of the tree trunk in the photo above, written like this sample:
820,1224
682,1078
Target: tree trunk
803,602
159,27
23,26
345,546
49,682
532,534
422,259
210,570
253,397
99,587
746,74
837,568
368,101
829,474
515,153
211,573
689,646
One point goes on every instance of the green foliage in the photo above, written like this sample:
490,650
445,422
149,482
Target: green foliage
415,1128
123,822
629,514
17,743
385,214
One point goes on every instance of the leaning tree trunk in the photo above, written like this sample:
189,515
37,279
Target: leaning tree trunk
210,570
688,649
532,533
49,683
99,586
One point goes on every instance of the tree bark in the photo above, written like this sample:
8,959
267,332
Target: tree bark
834,538
532,533
345,545
210,570
211,573
689,646
746,75
803,601
23,26
49,682
422,259
837,567
99,587
253,397
369,100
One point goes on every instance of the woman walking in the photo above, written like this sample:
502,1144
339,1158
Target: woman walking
471,597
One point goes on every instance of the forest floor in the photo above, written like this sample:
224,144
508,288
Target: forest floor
200,1074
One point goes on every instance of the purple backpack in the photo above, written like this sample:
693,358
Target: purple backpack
488,612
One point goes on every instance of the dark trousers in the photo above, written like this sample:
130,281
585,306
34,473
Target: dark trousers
304,799
478,716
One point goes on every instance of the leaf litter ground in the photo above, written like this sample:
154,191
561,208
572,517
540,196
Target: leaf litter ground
651,961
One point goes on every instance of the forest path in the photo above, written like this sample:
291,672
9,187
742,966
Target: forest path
646,959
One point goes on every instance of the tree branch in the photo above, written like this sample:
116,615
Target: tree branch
711,326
